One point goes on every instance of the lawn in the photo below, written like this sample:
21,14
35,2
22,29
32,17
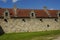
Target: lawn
42,35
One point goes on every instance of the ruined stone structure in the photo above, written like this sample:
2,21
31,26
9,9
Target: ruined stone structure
29,20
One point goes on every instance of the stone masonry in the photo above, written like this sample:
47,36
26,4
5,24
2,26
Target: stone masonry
29,25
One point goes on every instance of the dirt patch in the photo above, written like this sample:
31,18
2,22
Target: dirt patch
42,38
57,38
53,37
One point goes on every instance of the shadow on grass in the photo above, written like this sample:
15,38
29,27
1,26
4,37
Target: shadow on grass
1,31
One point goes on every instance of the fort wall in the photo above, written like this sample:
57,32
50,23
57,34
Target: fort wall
29,25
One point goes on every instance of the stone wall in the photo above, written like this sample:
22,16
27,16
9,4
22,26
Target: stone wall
29,25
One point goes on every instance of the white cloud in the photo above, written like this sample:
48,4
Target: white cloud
51,9
4,0
14,1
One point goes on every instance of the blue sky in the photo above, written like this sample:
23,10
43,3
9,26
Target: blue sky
32,4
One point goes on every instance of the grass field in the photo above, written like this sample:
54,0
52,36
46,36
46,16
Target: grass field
43,35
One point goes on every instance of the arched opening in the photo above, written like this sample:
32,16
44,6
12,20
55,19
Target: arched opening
48,25
23,20
41,20
6,14
32,14
5,20
56,20
59,14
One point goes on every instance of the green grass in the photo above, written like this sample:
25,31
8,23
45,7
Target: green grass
29,35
